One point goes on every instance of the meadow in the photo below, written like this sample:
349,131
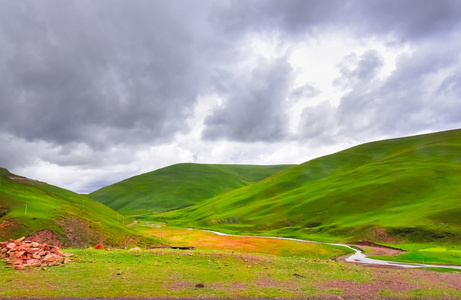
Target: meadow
224,267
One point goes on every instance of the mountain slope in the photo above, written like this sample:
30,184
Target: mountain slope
50,214
179,186
405,189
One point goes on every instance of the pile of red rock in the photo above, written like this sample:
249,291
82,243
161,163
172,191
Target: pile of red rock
20,254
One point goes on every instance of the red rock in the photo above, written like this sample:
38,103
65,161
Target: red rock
20,240
99,246
49,258
19,254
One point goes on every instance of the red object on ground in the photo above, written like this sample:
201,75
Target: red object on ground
99,246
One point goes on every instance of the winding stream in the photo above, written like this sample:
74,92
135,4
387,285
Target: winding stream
358,257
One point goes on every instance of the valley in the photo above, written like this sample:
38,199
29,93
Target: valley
400,194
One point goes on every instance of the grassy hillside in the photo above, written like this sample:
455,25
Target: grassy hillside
37,210
179,186
392,191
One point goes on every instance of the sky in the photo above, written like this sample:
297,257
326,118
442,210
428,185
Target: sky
93,92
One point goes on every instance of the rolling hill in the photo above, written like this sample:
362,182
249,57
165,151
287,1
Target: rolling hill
179,186
46,213
391,191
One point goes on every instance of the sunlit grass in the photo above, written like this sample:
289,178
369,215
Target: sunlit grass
427,254
175,273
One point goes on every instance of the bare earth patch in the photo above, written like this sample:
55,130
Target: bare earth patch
373,249
7,225
180,284
25,180
45,237
398,281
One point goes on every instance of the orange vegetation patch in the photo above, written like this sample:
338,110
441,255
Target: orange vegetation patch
208,240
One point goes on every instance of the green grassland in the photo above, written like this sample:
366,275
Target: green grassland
178,186
427,254
29,207
404,190
175,273
167,273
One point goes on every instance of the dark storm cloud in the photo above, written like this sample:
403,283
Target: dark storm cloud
95,72
253,108
407,19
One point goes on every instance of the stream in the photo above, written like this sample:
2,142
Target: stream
358,257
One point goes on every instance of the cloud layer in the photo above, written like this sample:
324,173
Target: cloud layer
95,91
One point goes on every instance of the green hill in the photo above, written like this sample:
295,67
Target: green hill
50,214
394,191
178,186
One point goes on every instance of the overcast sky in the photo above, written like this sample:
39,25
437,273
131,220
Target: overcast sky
92,92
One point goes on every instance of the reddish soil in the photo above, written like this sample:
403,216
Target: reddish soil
396,281
45,237
7,226
372,249
379,234
25,180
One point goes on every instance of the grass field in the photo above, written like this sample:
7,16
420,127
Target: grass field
394,191
178,186
427,254
225,273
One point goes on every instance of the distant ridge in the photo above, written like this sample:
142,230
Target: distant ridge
178,186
